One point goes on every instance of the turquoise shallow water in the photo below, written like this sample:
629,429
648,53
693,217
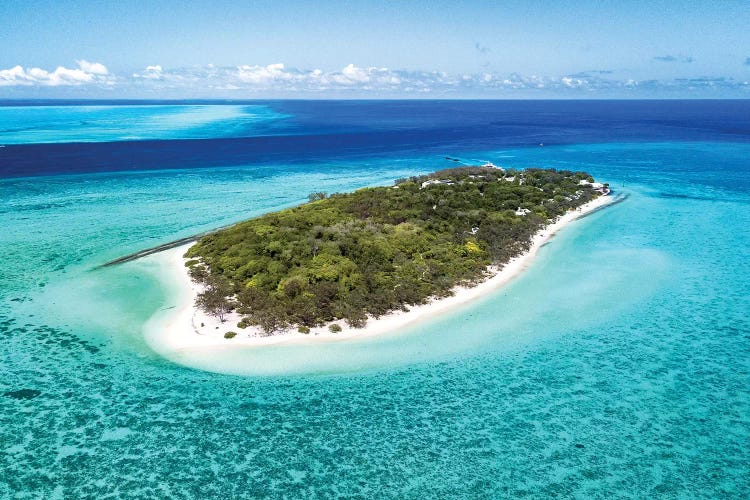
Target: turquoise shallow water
618,365
100,123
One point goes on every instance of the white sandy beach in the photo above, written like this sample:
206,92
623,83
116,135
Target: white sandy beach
181,326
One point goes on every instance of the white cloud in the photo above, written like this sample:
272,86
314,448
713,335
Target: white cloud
259,75
573,82
93,68
278,80
353,74
86,73
12,75
150,73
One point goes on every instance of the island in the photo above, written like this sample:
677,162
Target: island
344,261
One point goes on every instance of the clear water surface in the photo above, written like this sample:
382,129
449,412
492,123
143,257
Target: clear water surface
618,365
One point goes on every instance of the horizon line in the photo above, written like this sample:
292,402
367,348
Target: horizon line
373,99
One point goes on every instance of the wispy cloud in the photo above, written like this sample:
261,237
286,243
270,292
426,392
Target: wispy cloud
482,49
670,58
86,73
277,79
592,73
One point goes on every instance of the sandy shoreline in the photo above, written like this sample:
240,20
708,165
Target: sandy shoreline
179,326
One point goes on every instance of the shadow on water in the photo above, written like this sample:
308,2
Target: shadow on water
700,198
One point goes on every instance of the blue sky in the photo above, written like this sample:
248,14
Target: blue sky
307,49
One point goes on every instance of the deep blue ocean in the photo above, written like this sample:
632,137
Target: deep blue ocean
616,366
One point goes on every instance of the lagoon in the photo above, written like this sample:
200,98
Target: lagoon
617,365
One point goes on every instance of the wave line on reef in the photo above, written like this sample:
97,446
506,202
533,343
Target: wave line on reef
619,198
159,248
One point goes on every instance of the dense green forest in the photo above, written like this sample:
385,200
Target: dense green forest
347,256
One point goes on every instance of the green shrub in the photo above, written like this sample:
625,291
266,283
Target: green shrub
230,335
304,329
335,328
243,323
320,195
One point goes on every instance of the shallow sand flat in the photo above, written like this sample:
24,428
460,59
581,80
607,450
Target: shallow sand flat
178,329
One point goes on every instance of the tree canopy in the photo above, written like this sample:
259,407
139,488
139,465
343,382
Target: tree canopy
347,256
